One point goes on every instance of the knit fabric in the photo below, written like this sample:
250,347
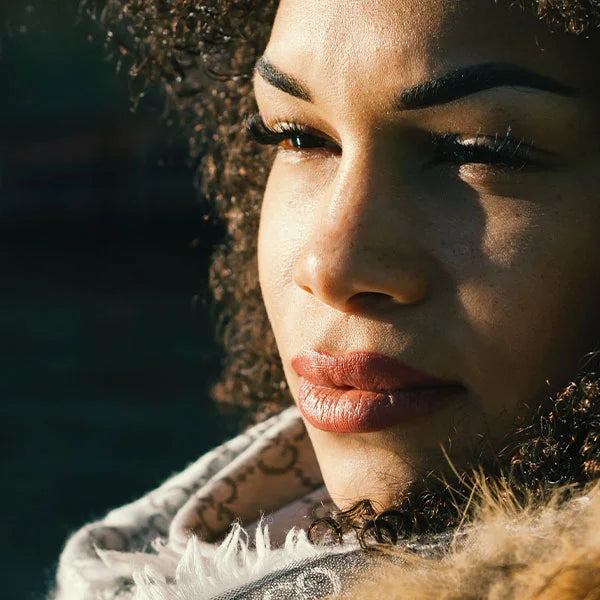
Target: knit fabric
269,470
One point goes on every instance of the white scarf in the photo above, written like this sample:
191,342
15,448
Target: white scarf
266,479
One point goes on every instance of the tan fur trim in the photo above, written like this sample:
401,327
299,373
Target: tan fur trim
508,552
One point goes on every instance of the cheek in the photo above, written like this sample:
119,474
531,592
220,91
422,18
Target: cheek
531,295
500,272
290,205
283,226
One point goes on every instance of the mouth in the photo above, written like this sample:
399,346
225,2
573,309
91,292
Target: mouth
363,392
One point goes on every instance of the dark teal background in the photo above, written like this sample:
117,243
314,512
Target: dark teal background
107,344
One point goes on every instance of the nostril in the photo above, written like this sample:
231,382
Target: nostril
365,300
370,295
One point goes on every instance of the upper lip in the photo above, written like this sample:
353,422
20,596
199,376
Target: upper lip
367,371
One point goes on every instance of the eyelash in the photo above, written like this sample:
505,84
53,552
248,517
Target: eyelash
500,151
264,135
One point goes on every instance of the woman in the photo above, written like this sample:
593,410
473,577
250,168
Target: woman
428,261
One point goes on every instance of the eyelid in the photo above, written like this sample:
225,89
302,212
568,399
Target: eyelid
505,138
318,125
306,129
274,131
500,151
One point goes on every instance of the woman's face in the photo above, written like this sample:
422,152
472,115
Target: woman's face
428,248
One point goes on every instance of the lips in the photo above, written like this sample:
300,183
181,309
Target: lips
363,392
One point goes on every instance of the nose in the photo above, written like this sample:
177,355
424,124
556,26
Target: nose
360,250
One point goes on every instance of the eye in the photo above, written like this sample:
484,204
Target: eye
289,135
505,151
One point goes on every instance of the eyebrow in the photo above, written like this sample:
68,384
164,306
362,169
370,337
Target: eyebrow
465,81
456,84
286,83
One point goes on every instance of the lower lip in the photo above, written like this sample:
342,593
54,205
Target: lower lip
340,410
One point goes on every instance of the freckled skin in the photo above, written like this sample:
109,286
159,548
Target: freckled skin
468,272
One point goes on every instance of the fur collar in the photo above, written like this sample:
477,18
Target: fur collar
511,550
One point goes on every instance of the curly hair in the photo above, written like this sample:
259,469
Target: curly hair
202,52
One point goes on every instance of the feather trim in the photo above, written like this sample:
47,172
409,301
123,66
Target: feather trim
207,570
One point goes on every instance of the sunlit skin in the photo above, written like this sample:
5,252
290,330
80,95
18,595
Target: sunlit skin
479,272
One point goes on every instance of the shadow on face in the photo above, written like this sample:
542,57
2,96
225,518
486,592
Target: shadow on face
433,201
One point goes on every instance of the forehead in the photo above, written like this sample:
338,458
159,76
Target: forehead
339,25
339,47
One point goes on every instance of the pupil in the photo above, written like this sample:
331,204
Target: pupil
296,142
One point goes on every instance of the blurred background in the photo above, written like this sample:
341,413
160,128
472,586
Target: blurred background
107,346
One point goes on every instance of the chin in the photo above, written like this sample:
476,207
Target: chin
345,494
386,466
373,467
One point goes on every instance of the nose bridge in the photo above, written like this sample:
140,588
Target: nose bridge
370,193
357,244
348,210
347,235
